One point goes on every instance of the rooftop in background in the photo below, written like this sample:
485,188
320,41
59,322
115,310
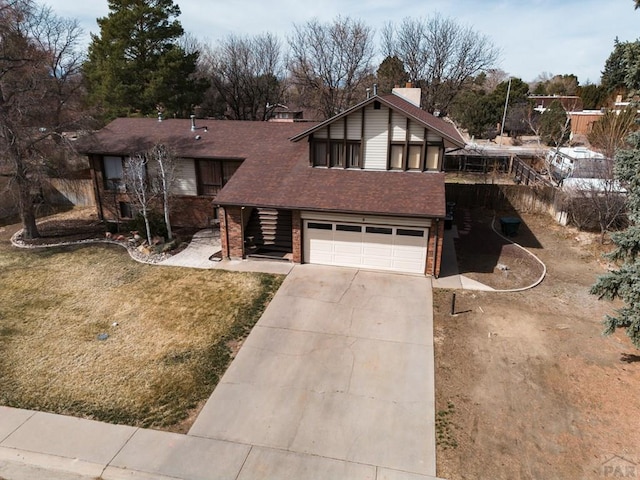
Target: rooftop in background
571,103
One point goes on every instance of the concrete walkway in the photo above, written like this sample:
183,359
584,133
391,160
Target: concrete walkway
335,381
206,243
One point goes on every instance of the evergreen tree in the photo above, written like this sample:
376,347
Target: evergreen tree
624,283
390,73
622,69
593,96
555,126
136,64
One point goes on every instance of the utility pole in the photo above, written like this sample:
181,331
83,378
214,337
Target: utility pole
504,115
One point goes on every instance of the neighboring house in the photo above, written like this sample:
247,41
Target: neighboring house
570,103
582,122
363,189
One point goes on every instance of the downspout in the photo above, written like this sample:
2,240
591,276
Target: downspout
226,231
242,229
435,249
96,189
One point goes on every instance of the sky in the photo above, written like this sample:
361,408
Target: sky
534,36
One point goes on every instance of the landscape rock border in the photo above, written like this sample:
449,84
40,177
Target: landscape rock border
134,253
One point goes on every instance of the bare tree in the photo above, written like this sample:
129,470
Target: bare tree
331,60
598,202
609,133
408,42
247,74
166,166
440,55
40,95
139,188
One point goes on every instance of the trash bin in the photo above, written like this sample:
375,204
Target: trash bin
448,222
451,206
510,225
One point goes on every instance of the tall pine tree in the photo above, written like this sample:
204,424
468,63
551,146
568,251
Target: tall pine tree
136,64
624,283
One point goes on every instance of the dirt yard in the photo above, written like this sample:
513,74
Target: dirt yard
526,385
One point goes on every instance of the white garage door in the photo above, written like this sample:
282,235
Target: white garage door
379,247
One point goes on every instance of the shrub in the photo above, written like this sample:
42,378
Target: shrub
156,224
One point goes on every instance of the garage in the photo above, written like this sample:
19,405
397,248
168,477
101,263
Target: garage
373,243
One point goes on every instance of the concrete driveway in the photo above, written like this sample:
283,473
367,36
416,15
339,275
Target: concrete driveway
338,372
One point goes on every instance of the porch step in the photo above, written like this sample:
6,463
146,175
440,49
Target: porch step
269,230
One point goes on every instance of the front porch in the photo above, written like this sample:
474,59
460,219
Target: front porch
260,233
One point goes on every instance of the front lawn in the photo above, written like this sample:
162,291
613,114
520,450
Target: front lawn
86,331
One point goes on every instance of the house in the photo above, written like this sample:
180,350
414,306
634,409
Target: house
582,121
363,189
208,154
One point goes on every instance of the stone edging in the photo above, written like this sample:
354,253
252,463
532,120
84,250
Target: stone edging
154,259
544,267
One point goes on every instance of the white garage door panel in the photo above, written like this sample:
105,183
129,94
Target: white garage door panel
320,245
381,247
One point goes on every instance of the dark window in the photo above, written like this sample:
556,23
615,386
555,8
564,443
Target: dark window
353,155
320,226
320,154
228,169
349,228
380,230
214,174
209,177
376,105
336,155
113,173
410,233
126,210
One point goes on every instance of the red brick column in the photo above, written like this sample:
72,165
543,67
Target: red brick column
436,273
296,236
235,234
434,248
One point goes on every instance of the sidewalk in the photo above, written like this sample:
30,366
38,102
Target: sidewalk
36,445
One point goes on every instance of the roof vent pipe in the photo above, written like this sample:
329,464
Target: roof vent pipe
193,123
368,93
375,89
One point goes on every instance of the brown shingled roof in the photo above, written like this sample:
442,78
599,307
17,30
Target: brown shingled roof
294,184
276,171
222,138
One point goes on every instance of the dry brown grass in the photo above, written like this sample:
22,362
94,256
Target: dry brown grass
164,356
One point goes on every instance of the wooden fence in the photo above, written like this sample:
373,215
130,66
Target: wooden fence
521,198
62,191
